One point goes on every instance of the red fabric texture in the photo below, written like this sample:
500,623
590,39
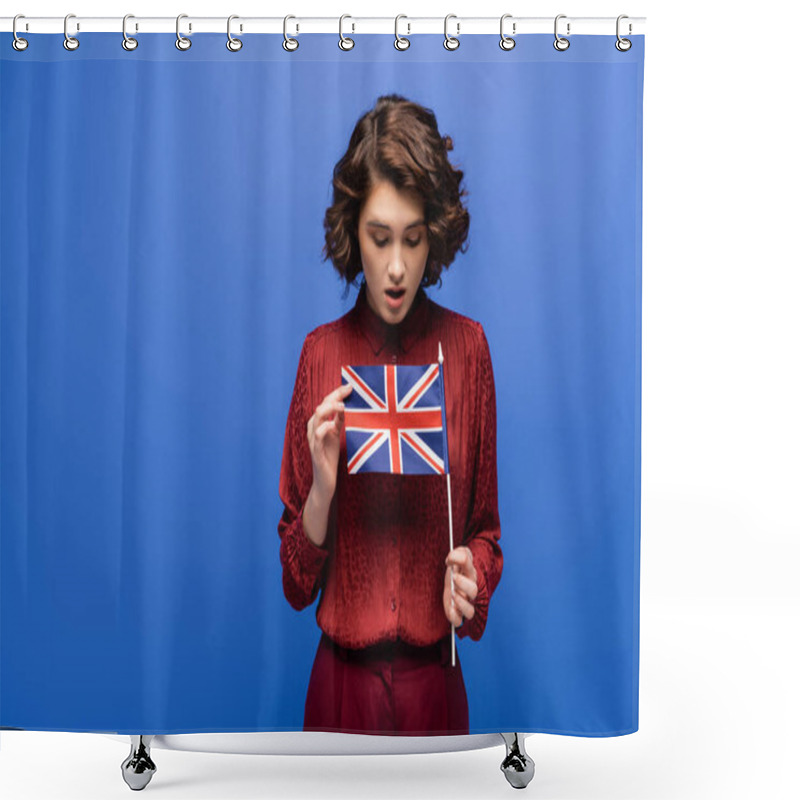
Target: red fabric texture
387,689
381,570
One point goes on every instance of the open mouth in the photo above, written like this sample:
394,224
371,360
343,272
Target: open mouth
395,293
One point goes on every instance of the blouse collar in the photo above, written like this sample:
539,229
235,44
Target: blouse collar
381,333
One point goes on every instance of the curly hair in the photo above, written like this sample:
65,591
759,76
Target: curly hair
399,141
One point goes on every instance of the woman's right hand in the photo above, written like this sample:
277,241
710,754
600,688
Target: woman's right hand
324,429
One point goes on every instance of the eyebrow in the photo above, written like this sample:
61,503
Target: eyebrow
375,224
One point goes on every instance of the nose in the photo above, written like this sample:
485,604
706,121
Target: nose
397,266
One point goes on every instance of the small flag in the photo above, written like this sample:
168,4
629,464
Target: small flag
395,420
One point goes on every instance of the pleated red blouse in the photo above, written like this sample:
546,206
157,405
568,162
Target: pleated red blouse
381,569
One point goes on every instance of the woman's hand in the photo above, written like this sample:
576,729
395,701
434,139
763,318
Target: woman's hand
459,606
324,429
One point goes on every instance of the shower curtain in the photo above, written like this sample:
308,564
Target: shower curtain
161,271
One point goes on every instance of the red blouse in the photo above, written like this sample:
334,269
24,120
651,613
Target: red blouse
382,566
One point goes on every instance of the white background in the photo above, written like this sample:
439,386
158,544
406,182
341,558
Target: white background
719,692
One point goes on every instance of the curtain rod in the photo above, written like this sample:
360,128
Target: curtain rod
512,26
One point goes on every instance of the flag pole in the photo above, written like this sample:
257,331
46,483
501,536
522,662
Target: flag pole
450,516
452,585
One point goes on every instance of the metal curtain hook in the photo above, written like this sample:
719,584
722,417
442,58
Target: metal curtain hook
561,43
621,44
507,42
451,42
400,42
233,44
18,43
128,42
70,42
182,43
345,43
289,43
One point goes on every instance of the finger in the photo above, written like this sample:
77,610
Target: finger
459,555
452,571
325,428
329,406
319,432
453,614
340,391
461,558
450,608
467,587
464,590
464,607
325,409
458,558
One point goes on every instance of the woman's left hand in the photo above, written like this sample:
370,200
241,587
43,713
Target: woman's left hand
459,607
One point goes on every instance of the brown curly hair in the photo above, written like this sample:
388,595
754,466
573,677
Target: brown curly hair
399,141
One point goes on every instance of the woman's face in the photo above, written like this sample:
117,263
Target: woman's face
394,249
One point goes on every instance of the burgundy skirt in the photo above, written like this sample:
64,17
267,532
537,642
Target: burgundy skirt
391,688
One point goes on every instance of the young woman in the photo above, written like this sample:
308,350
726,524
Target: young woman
377,544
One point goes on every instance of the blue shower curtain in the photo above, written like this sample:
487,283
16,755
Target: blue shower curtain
160,266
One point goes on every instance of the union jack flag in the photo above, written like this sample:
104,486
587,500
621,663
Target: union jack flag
395,420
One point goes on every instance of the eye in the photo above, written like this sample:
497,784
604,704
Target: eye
415,242
381,243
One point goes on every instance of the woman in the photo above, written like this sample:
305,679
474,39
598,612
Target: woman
377,544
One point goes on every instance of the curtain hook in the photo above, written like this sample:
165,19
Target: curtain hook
290,44
451,42
623,45
400,42
507,42
182,43
561,43
70,42
18,43
345,43
128,42
233,44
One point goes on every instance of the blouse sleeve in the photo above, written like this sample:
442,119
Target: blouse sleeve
483,521
301,559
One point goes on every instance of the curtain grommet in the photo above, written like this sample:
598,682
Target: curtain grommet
181,42
451,42
290,44
129,43
507,42
622,44
401,42
561,43
345,42
233,44
18,43
70,42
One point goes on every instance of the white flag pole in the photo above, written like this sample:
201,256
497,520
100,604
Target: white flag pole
452,584
450,516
